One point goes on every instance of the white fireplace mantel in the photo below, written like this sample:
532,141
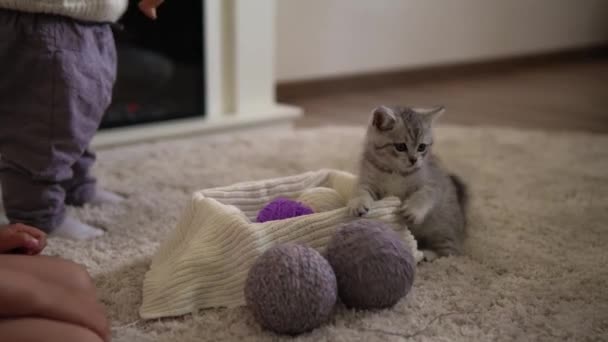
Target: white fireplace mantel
239,77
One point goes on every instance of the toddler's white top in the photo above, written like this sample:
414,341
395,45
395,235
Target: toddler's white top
85,10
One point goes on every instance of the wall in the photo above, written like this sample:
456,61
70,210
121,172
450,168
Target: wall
325,38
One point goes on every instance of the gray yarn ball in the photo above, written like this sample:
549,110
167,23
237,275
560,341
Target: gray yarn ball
291,289
373,266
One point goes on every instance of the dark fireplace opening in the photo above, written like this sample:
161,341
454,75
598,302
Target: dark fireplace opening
160,65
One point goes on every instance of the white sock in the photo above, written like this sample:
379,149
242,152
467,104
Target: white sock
73,229
105,197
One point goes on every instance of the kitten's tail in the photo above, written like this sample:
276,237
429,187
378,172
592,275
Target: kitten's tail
462,192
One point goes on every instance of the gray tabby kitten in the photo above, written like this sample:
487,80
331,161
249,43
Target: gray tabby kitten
397,161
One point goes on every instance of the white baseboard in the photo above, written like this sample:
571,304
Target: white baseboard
280,116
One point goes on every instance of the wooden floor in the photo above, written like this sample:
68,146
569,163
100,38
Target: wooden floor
569,95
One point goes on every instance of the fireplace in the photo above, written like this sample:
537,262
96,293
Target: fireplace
215,75
160,72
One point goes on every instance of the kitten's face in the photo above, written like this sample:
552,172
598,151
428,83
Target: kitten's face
401,137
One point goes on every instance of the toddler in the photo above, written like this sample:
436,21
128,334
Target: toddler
58,64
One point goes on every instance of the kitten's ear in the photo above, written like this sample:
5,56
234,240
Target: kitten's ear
431,114
383,118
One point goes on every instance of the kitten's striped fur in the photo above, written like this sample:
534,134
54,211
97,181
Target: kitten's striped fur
395,164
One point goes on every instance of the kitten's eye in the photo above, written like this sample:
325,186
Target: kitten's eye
421,147
401,147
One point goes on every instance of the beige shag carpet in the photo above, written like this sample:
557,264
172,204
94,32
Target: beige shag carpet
536,261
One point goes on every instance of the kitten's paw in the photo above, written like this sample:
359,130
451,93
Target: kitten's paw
359,206
428,255
413,212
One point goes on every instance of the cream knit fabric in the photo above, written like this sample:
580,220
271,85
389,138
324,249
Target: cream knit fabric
204,263
321,199
85,10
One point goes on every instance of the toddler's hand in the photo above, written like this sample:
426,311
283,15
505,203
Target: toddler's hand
19,238
148,7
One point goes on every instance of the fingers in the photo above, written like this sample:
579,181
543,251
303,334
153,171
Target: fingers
96,319
36,233
11,239
26,292
52,270
21,238
38,249
40,329
77,308
149,12
148,7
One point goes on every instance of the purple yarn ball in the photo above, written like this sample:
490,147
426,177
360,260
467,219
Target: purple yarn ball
282,208
291,289
373,266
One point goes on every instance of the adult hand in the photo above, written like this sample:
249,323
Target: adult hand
20,238
25,295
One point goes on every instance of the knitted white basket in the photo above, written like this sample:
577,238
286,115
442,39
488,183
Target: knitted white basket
205,260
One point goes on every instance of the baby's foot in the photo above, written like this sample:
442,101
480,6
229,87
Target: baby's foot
73,229
105,197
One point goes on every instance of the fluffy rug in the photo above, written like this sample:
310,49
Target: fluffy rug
535,264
